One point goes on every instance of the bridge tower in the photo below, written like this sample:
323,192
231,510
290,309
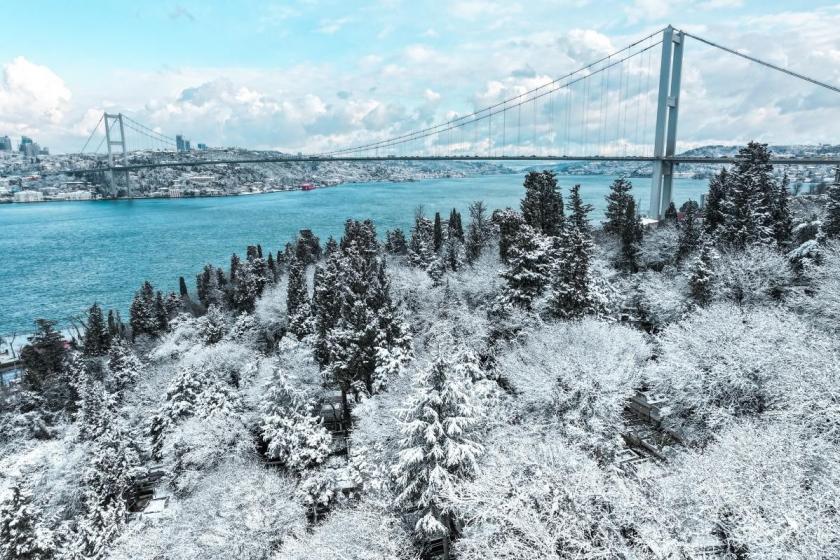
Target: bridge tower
667,113
113,129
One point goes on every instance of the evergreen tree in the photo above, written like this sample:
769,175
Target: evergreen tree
437,233
234,266
94,410
144,319
182,287
689,232
478,231
528,267
308,247
509,222
97,339
297,295
542,206
453,253
702,274
715,209
124,366
272,267
421,247
161,314
245,288
21,535
294,436
617,202
213,325
752,195
437,450
116,329
456,228
782,217
578,211
327,304
43,358
830,227
671,215
573,291
396,244
330,247
631,237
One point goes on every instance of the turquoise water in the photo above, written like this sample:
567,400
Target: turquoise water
59,257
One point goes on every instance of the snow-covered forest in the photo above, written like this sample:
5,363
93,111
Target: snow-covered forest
508,384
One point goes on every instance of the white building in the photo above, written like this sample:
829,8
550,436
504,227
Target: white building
78,195
29,196
174,192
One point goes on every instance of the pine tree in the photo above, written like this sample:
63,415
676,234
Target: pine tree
21,535
213,325
689,233
421,247
631,237
124,366
294,436
330,247
617,202
830,227
702,274
782,217
578,211
94,410
245,288
573,291
327,304
453,253
143,318
752,195
437,450
528,267
437,233
97,340
714,211
542,206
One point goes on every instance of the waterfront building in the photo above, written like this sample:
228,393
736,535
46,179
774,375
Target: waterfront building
5,144
78,195
28,196
201,146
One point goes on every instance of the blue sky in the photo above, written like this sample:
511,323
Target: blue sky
312,74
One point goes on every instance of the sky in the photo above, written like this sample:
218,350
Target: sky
313,75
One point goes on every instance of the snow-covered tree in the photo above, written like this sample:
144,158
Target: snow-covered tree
437,233
542,206
97,339
631,235
714,210
421,248
293,435
702,274
751,198
144,319
573,290
831,219
478,231
617,201
213,325
22,534
527,273
508,222
438,450
690,233
124,366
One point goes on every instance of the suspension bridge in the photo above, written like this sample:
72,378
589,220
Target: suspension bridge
623,107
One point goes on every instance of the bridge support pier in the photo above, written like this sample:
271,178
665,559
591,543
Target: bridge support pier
114,126
667,113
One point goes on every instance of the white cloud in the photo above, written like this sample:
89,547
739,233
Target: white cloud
32,95
332,26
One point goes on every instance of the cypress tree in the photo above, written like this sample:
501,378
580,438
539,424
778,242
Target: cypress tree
143,317
689,232
438,233
830,227
542,206
477,233
631,237
272,268
297,295
161,315
456,229
182,287
714,211
782,217
234,266
396,242
617,202
97,339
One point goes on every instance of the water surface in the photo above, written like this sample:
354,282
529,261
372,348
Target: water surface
59,257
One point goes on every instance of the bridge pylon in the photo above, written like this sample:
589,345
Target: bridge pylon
114,129
667,113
